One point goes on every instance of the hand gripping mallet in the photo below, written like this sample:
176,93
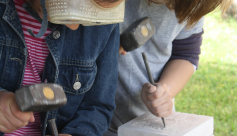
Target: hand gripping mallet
41,98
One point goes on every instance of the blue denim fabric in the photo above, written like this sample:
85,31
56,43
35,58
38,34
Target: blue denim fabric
91,52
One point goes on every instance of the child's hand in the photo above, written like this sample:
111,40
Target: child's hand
11,118
122,51
157,99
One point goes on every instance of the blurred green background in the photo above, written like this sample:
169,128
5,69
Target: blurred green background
212,90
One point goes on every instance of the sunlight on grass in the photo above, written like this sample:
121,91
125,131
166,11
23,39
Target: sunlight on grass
212,89
220,39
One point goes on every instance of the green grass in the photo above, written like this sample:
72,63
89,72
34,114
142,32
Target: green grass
212,90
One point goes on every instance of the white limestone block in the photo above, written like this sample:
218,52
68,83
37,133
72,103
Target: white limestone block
177,124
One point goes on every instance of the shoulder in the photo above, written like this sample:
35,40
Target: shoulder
187,32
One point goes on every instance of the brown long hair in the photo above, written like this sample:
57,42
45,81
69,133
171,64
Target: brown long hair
185,10
193,10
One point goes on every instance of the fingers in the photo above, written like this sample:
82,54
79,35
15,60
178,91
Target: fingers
157,99
5,130
12,123
32,118
122,51
165,97
163,114
11,118
6,126
158,93
154,92
163,110
22,116
143,96
149,88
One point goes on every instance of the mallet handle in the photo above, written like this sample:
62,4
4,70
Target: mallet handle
53,127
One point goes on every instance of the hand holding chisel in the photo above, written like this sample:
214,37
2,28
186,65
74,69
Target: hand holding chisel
150,76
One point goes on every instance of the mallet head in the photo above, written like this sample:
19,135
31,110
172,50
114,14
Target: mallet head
40,97
137,34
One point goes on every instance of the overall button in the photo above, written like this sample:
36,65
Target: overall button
56,34
77,85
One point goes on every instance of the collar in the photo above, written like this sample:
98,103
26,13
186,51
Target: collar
28,8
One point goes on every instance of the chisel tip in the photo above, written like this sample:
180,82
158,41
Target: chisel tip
163,120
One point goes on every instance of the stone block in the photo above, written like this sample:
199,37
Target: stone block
177,124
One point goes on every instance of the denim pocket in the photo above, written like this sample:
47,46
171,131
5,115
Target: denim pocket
12,60
70,76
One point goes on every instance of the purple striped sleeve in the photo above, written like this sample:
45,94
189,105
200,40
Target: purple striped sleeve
188,49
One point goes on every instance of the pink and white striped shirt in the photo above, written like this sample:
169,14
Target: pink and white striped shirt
37,53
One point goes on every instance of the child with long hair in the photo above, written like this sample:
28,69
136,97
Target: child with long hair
172,53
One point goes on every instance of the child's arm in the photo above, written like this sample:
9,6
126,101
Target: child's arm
175,75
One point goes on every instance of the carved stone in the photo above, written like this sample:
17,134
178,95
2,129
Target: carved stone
177,124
